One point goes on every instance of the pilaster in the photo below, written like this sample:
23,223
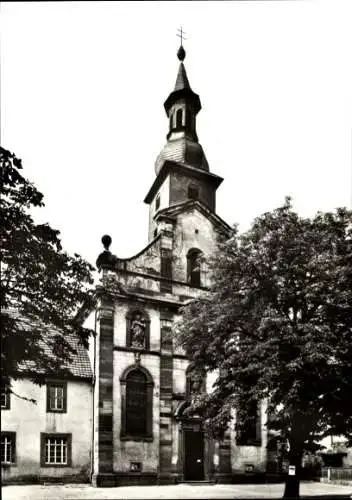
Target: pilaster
103,468
166,387
166,247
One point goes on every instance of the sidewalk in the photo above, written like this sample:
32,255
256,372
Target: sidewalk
180,491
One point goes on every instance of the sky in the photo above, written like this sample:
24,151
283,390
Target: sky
82,92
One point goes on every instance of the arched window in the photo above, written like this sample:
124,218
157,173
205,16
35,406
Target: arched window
194,262
179,118
137,404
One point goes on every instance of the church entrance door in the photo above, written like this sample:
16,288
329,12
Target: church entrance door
194,455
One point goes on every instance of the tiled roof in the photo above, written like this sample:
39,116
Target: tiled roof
79,366
185,151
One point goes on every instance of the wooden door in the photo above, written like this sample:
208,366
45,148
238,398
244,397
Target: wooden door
194,455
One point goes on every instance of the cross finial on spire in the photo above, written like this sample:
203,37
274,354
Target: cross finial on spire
181,54
181,34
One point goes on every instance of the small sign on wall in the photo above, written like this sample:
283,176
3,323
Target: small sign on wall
135,466
291,470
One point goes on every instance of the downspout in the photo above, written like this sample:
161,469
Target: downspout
93,398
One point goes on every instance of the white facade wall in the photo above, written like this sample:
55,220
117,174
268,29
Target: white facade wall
29,420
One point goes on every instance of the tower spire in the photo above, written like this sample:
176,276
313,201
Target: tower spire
182,107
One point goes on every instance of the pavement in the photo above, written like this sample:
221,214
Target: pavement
309,490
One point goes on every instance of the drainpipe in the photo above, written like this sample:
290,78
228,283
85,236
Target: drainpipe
93,398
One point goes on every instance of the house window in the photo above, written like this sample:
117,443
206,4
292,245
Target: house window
137,404
55,450
8,448
56,397
194,262
157,202
179,118
5,398
193,192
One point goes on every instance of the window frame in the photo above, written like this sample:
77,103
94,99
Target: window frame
49,385
148,436
12,436
7,395
43,437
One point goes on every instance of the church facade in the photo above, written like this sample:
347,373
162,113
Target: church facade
142,383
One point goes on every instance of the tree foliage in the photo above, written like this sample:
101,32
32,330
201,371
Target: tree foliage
42,286
277,325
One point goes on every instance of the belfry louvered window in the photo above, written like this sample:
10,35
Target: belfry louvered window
179,118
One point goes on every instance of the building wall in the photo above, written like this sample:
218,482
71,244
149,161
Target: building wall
179,184
192,230
29,420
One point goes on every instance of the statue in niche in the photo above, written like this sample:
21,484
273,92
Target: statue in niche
138,332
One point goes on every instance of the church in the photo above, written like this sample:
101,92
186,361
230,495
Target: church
142,383
119,417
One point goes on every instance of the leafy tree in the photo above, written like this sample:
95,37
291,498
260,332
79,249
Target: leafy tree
277,326
42,288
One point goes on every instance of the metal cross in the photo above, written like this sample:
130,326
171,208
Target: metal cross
181,34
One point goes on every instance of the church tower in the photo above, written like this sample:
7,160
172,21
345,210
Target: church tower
142,381
182,170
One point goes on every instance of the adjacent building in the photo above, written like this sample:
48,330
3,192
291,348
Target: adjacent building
46,430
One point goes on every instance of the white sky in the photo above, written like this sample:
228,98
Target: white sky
82,92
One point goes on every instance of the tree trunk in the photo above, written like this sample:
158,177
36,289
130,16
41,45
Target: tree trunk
293,481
